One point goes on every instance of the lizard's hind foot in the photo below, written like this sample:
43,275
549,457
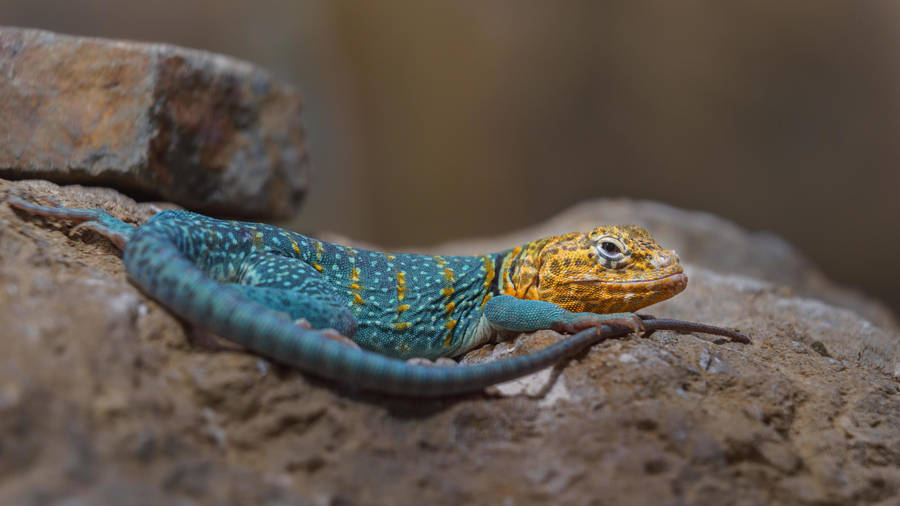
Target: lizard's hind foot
332,334
96,220
439,362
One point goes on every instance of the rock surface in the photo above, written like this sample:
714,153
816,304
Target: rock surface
203,130
104,395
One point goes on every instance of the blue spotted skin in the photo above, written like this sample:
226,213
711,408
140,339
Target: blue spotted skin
251,282
400,305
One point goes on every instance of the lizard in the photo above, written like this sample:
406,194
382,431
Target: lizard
291,297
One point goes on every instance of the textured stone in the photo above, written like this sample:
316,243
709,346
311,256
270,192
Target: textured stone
103,395
209,132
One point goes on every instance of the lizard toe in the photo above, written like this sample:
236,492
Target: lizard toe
337,336
439,362
633,323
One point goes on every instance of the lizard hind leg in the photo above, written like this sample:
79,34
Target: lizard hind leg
308,311
97,220
294,287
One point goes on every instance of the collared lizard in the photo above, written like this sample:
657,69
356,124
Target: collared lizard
280,294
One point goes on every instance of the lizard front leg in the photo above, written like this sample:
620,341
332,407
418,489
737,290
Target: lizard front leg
508,313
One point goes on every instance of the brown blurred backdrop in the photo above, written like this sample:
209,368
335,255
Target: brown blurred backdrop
430,121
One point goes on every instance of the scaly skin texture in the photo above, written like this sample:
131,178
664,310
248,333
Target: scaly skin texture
574,272
263,287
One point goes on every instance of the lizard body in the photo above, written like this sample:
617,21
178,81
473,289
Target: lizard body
253,283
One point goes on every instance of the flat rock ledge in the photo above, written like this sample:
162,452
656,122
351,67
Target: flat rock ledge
104,395
208,132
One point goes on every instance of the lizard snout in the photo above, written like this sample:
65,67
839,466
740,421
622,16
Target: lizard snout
665,259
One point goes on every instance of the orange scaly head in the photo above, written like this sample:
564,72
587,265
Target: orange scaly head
609,270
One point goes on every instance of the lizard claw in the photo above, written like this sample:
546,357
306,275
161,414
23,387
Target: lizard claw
439,362
52,202
634,323
86,225
332,334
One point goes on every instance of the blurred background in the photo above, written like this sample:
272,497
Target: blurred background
430,121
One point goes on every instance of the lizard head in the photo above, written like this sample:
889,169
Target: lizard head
610,269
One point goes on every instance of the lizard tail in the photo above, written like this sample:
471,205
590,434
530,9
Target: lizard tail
157,266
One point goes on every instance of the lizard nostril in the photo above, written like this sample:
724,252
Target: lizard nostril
664,259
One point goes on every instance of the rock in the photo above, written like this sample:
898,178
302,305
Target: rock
104,395
206,131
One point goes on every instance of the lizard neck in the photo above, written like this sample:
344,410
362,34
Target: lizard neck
519,270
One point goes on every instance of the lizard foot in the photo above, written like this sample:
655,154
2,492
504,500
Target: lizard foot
632,322
96,220
332,334
440,362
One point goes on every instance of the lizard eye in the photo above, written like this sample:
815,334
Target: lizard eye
612,252
610,247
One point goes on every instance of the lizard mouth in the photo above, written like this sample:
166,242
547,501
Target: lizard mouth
673,282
